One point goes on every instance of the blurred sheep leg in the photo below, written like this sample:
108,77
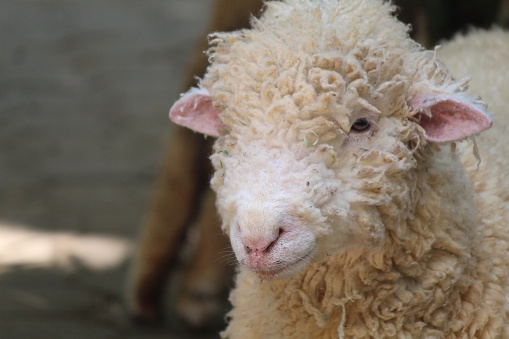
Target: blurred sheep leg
177,193
202,301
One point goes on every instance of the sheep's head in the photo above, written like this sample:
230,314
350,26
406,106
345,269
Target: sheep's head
318,142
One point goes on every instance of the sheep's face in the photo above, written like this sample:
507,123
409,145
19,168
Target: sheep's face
285,204
320,142
290,196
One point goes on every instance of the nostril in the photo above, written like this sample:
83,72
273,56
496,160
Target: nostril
259,245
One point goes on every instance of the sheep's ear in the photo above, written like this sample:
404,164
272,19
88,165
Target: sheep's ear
195,111
450,117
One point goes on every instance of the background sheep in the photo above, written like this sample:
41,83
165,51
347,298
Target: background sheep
175,205
377,261
183,198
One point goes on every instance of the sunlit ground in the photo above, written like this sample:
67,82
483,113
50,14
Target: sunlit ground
61,285
21,246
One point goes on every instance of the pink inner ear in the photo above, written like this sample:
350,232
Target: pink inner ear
196,111
450,120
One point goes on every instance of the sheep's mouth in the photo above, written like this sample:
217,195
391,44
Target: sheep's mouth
283,270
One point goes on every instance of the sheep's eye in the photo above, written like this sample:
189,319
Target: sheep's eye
360,125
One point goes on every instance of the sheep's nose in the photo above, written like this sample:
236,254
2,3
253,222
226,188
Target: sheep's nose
260,245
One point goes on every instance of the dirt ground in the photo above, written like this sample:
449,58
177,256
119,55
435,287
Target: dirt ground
85,87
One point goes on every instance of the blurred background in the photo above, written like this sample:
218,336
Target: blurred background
85,87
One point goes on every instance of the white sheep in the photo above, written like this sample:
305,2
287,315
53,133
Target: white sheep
339,181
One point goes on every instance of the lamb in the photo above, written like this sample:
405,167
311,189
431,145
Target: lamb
339,182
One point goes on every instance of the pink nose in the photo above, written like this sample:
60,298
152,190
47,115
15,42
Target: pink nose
259,245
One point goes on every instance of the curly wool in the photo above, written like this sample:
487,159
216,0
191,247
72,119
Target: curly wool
302,56
409,254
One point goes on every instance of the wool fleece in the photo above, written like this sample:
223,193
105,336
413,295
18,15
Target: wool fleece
350,209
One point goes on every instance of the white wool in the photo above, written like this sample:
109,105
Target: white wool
381,232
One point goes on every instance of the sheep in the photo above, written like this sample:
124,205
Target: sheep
206,278
339,183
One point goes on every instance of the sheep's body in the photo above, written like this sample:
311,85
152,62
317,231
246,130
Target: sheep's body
484,55
367,232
